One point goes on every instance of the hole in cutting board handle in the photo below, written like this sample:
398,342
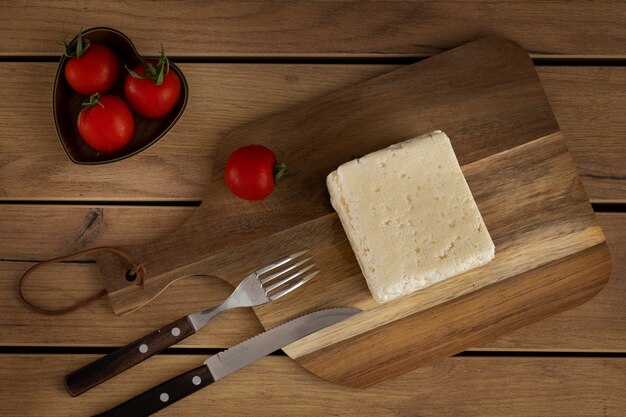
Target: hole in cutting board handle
130,277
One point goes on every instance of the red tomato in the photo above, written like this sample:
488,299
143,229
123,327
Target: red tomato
250,172
107,125
95,71
148,98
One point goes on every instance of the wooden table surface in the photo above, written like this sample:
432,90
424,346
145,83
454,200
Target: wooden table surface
246,60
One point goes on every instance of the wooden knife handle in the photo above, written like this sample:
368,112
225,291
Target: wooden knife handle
128,356
163,395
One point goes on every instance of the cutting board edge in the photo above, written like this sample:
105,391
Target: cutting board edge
375,375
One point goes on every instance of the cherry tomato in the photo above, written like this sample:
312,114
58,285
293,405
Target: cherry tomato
146,95
249,172
107,124
93,71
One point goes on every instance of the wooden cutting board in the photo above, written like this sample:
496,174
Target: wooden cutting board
550,251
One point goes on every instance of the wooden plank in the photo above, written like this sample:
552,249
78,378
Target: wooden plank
598,325
35,232
587,102
589,105
32,385
360,28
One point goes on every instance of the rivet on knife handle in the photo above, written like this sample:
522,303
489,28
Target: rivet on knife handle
128,356
163,395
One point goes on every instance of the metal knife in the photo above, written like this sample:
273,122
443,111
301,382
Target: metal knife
224,363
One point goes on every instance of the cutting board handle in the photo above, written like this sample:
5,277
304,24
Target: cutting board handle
137,273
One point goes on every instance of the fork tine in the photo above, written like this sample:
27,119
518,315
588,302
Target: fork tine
287,278
284,271
293,286
279,262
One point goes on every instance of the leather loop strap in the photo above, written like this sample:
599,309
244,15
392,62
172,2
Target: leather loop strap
137,270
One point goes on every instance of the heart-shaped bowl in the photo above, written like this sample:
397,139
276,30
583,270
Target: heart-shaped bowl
67,104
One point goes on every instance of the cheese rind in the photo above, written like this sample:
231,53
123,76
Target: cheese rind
410,216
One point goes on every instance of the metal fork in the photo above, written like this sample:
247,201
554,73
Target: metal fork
255,289
260,287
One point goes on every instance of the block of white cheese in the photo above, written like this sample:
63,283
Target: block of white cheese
410,216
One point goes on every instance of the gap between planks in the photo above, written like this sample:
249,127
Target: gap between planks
598,206
352,59
182,350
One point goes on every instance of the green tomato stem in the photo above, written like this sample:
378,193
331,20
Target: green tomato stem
93,100
281,171
82,45
156,72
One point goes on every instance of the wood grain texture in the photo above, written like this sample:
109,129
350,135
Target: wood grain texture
37,232
180,171
275,386
486,95
415,28
587,102
599,322
598,325
449,328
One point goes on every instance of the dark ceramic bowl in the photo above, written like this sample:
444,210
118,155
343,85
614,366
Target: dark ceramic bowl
66,104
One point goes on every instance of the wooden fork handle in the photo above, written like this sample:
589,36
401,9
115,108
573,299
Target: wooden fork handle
128,356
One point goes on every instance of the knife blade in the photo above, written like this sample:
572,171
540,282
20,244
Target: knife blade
224,363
